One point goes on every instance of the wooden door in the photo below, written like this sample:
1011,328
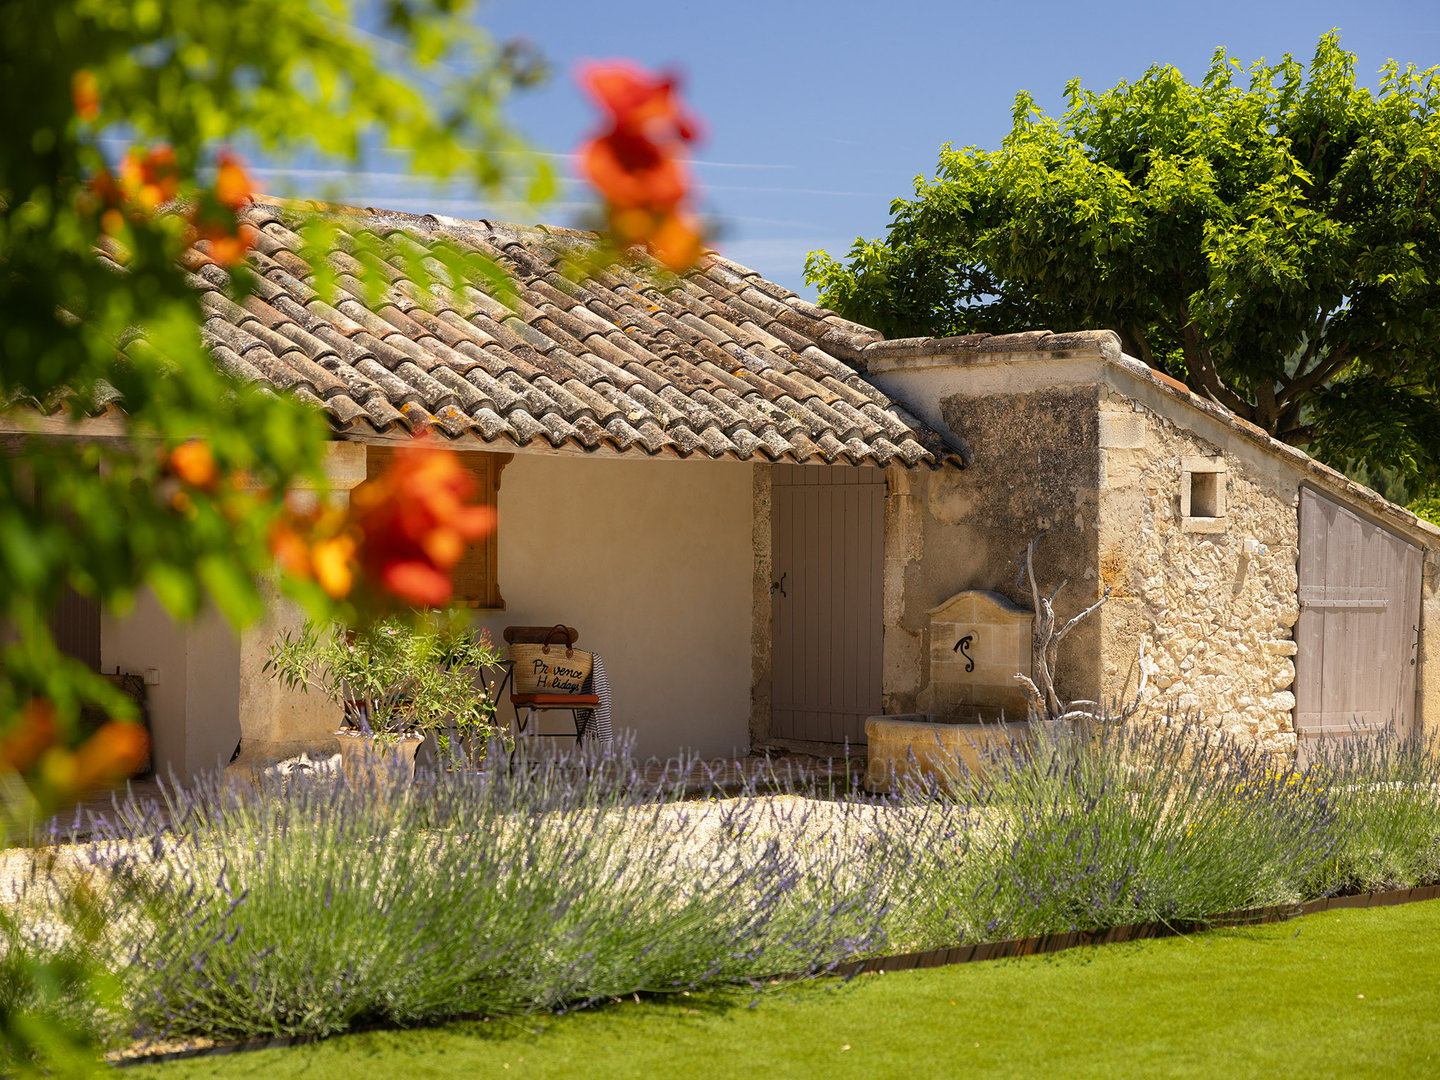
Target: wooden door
827,529
1359,625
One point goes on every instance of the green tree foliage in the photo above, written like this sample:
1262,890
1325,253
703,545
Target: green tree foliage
79,81
111,348
1273,241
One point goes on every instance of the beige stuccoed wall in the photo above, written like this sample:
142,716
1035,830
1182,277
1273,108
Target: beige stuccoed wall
1216,622
195,668
212,691
653,562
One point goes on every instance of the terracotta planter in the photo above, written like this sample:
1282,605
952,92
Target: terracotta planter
365,758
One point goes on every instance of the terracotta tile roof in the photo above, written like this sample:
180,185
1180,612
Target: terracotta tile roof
720,363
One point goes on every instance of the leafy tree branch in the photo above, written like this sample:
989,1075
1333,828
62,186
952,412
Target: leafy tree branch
1268,235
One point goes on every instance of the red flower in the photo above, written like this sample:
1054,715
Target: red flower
402,534
635,163
639,101
414,523
633,172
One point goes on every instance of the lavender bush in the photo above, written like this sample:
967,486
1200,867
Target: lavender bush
1386,798
313,906
1135,823
324,906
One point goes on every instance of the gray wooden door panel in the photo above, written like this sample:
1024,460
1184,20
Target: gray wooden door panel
1359,592
827,535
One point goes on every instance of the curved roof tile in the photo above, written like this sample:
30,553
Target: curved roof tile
625,357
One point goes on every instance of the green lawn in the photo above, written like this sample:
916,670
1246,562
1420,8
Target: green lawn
1343,994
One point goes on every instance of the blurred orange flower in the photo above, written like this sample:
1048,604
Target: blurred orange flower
232,183
316,545
85,92
635,163
333,562
632,172
214,217
113,753
414,522
194,464
228,244
639,101
106,188
677,241
401,536
22,745
151,179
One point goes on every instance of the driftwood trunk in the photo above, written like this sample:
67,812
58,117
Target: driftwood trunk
1044,702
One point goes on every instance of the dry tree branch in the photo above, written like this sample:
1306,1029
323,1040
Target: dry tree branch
1044,702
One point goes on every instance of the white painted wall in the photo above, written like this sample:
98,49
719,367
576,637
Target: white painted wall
651,561
194,707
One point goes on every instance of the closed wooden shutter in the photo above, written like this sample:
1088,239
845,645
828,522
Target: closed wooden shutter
1359,624
74,621
476,577
75,624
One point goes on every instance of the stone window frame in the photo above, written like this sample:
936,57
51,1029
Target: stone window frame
1190,468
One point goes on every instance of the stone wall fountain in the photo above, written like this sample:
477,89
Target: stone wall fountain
971,705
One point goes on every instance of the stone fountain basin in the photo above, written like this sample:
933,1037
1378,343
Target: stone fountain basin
917,747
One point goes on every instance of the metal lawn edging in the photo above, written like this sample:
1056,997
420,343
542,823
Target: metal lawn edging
1048,943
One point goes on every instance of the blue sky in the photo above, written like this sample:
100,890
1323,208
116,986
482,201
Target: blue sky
818,115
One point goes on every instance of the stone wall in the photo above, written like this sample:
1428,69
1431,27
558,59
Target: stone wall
1036,473
1212,598
1068,436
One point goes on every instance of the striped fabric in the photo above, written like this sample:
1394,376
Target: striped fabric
595,724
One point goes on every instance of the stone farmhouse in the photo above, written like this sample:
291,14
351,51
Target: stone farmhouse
774,524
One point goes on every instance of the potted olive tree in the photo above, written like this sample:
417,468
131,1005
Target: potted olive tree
395,681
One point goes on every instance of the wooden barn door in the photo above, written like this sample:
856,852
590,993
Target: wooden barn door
1359,625
827,546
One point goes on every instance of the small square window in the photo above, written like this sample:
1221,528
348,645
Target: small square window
1202,495
1204,490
